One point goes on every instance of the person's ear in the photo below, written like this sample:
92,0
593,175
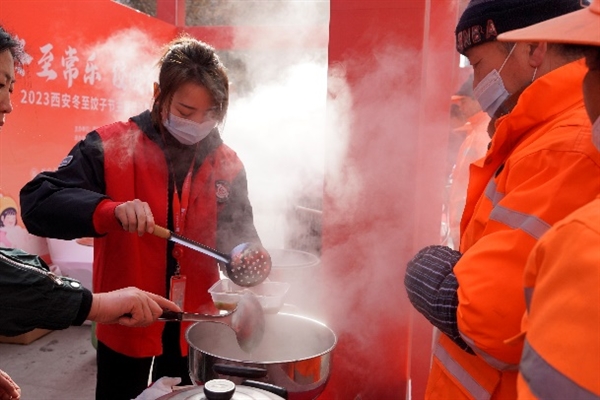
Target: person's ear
537,53
156,90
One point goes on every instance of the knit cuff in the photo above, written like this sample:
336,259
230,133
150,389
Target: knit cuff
104,217
84,308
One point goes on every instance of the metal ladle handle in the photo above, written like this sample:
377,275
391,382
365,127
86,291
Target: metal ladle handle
248,265
202,248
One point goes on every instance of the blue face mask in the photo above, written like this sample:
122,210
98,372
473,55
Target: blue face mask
186,131
490,92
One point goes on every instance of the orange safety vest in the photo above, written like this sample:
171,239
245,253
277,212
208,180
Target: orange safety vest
135,167
561,356
540,167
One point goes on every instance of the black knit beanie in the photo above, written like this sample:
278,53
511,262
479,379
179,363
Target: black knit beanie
483,20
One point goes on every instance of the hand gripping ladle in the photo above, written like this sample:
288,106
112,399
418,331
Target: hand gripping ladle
247,320
248,264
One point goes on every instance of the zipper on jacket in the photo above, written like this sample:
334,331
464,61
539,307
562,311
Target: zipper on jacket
49,274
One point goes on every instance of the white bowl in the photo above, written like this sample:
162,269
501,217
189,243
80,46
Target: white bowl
226,294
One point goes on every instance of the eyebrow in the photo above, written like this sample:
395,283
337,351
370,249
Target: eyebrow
186,106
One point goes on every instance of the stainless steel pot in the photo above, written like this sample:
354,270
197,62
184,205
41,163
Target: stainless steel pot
293,266
302,271
295,354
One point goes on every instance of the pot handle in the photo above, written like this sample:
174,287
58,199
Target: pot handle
242,372
278,390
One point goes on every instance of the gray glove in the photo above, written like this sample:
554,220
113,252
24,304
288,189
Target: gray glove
431,287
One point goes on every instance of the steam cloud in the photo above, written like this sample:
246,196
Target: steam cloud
288,121
132,56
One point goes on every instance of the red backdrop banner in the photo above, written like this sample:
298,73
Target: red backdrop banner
87,63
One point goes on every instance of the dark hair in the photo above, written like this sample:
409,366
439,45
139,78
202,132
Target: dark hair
8,42
6,212
592,56
570,52
507,46
184,60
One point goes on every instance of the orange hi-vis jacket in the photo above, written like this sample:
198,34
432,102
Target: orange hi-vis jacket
561,356
540,167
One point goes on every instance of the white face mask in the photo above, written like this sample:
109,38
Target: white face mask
186,131
490,92
596,133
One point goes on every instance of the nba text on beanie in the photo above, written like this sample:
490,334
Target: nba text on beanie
483,20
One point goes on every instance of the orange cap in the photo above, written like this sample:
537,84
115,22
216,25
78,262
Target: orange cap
578,27
7,202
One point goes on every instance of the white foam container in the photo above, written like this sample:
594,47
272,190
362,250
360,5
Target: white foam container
271,295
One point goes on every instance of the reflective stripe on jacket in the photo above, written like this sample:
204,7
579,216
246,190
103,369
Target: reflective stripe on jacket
540,167
561,356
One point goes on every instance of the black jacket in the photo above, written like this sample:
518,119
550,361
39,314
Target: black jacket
33,297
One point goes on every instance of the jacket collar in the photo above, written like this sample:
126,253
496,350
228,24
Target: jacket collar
540,102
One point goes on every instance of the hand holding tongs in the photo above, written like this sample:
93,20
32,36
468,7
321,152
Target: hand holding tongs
247,320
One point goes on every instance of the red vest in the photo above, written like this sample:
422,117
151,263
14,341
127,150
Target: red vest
135,168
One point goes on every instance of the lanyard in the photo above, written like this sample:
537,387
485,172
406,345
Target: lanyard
180,206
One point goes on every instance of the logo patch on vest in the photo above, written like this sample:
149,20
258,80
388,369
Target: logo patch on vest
222,191
66,161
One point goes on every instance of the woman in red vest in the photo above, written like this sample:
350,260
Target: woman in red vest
166,166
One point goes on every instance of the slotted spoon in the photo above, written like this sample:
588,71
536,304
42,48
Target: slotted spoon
248,264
